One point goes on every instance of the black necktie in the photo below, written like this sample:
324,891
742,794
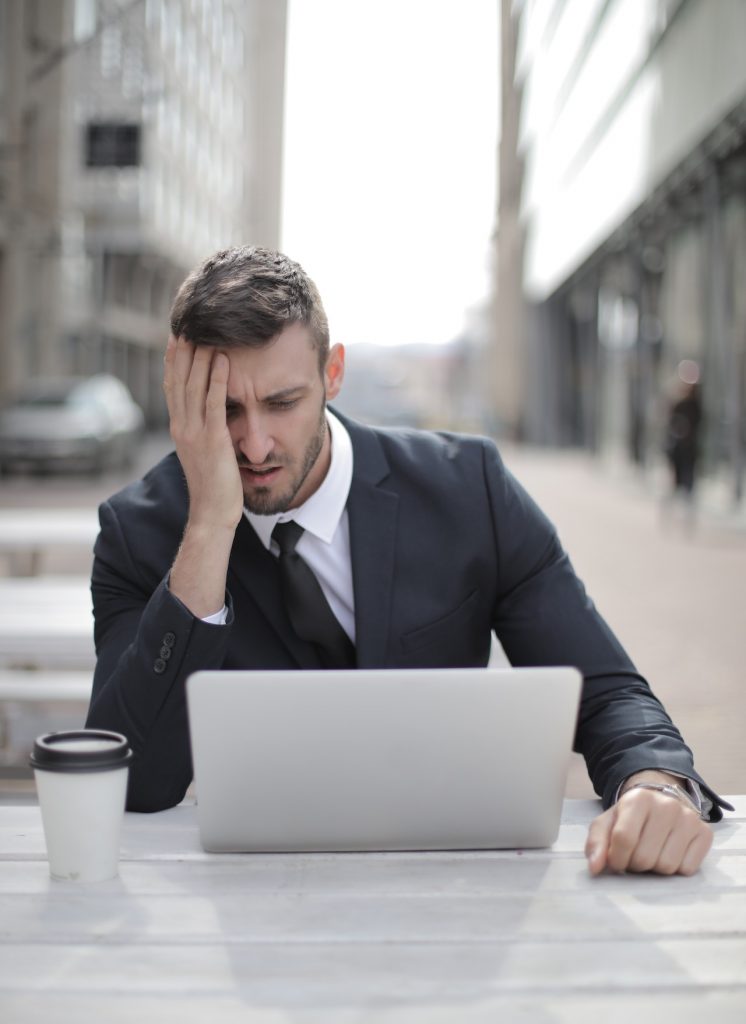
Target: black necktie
307,608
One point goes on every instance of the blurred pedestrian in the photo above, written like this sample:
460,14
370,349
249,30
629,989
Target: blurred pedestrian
683,430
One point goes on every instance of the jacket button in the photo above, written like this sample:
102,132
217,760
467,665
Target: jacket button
169,639
159,666
165,652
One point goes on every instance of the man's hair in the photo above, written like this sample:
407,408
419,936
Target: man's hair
247,296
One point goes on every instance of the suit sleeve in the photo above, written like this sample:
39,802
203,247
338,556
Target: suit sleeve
147,644
544,617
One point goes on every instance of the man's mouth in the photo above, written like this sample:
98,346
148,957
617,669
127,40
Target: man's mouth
260,474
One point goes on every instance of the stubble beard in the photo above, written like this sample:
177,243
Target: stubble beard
263,502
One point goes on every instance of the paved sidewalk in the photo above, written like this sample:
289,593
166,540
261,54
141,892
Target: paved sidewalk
675,596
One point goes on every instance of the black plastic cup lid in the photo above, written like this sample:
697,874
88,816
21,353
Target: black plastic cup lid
80,750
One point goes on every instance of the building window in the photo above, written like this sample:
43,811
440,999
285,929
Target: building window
112,145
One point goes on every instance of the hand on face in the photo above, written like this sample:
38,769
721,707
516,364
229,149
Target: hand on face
195,384
648,831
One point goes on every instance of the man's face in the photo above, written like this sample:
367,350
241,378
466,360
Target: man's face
275,416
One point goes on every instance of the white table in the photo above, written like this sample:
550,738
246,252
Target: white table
25,533
183,936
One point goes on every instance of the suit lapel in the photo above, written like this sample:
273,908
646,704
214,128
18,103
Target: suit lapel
255,570
372,514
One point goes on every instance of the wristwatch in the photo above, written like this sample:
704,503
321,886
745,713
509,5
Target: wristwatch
670,789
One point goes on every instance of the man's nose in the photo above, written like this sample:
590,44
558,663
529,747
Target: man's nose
255,442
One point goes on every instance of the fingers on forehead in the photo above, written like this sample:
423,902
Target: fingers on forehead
220,365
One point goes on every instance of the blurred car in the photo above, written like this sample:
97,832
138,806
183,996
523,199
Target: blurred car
73,422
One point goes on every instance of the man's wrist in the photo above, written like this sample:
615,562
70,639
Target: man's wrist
198,575
203,528
675,786
648,775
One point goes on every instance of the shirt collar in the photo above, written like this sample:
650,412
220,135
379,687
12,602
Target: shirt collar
319,514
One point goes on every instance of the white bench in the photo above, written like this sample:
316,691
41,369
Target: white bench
20,685
25,533
35,702
46,622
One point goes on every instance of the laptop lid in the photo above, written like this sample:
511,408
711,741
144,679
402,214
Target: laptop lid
384,759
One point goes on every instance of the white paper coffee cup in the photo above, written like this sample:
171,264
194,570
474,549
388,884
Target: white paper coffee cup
81,780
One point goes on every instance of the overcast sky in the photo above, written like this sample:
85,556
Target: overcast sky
390,161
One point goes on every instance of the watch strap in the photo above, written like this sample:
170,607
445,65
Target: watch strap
669,789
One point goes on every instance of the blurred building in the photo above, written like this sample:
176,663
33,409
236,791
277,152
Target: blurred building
137,136
419,385
623,203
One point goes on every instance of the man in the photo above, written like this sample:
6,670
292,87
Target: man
421,544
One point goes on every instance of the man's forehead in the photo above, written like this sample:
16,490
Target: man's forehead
294,342
262,378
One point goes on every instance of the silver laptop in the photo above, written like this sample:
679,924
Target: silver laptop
394,759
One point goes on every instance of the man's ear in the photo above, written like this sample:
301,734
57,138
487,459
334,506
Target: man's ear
334,371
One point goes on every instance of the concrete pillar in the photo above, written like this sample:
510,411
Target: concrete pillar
506,375
12,298
265,62
32,336
722,336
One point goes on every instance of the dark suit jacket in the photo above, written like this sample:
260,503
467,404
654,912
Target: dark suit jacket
446,546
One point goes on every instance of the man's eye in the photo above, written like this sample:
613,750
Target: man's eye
283,403
231,410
